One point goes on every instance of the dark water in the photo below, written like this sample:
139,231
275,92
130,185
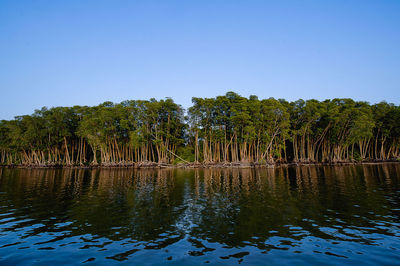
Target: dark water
304,215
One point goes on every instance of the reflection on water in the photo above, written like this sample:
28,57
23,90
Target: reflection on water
301,215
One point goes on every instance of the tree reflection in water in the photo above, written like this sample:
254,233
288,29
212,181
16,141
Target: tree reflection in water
310,213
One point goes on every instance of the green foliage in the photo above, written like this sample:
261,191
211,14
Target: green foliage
224,128
186,153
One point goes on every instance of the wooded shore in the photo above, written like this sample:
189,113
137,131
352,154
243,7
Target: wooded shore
225,131
153,165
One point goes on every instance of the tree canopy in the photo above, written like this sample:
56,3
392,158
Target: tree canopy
228,128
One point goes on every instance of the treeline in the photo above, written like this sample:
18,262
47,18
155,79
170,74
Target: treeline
225,129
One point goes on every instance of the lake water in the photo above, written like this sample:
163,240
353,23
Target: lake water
295,215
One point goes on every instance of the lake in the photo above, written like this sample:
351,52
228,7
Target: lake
287,215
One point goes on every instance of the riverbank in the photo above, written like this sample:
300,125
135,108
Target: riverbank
147,165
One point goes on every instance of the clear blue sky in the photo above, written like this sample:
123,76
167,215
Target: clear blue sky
65,53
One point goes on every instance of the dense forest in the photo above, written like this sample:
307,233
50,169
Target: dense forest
226,129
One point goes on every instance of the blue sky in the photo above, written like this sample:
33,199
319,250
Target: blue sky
65,53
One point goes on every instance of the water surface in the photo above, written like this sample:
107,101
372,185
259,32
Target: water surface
299,215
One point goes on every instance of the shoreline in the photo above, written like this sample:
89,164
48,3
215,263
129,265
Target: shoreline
153,165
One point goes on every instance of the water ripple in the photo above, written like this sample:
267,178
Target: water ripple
317,215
